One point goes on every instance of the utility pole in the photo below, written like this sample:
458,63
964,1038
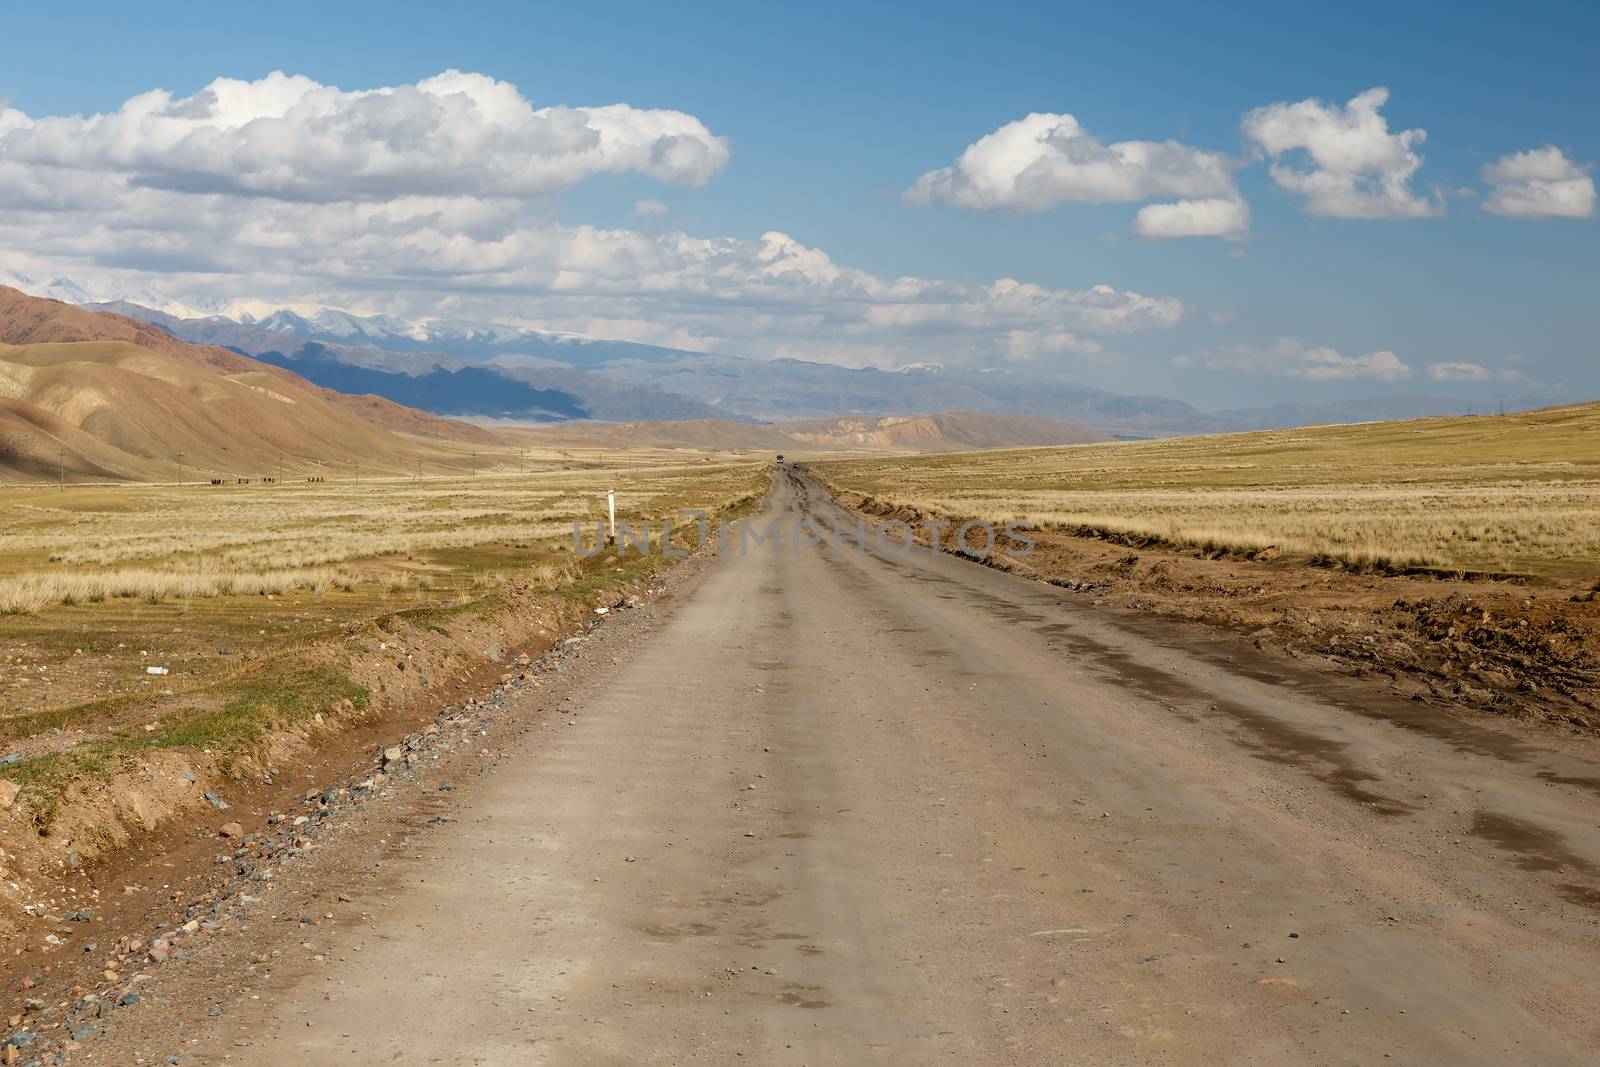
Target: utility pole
520,453
474,464
63,458
418,476
180,467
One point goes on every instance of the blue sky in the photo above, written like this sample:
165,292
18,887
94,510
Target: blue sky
831,112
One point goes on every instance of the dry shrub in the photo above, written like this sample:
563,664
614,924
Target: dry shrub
556,573
23,598
28,594
400,582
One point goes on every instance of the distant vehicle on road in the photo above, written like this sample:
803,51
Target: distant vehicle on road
780,457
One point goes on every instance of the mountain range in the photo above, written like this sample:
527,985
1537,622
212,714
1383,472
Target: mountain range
466,370
493,371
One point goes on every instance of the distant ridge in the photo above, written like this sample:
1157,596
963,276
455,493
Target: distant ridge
944,431
628,381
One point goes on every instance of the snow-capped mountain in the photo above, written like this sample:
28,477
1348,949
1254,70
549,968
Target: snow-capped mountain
64,289
69,291
466,339
335,324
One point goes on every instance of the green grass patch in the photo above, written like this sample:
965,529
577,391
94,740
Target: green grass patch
239,727
45,779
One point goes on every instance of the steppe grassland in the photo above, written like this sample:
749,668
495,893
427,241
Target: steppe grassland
100,581
92,544
1511,493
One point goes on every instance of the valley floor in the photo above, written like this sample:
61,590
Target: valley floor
829,806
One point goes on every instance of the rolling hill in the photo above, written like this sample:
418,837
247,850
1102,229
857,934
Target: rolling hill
103,396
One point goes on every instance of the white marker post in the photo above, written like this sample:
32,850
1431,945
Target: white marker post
611,511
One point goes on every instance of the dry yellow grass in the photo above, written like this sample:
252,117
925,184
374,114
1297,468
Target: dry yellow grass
1510,493
154,542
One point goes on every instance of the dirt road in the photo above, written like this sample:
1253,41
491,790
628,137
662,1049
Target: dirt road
845,808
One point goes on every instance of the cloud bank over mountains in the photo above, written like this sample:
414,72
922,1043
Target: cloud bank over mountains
1288,358
432,198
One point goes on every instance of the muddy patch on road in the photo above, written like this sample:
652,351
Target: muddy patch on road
1536,848
1263,734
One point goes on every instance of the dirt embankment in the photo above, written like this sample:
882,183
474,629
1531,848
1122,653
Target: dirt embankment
1523,648
98,798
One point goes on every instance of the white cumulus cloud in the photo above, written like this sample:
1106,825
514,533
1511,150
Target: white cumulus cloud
1358,168
1288,358
289,137
1541,183
1217,217
1459,372
1047,159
